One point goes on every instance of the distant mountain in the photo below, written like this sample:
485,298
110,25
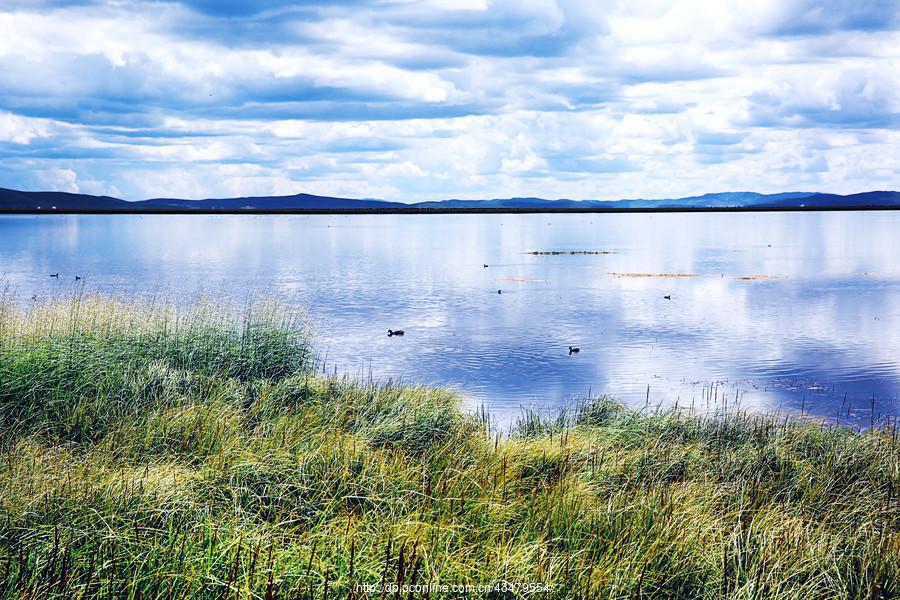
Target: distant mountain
718,200
297,201
870,199
61,201
504,203
18,201
14,200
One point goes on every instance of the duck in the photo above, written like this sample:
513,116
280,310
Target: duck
56,275
499,291
392,332
668,297
484,266
574,350
78,278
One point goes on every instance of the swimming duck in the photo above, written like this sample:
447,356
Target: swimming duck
392,332
669,297
574,350
55,275
78,278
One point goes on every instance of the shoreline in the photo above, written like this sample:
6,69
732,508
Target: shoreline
446,211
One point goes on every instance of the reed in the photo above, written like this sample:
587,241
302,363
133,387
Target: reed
147,452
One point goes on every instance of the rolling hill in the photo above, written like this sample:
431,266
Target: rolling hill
16,201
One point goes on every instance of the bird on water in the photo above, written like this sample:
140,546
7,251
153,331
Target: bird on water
56,275
574,350
392,332
669,297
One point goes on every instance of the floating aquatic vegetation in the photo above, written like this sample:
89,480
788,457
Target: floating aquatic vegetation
558,252
655,274
521,279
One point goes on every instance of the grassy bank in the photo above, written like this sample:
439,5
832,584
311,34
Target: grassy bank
146,453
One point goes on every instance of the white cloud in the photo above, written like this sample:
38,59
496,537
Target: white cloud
21,130
59,180
424,100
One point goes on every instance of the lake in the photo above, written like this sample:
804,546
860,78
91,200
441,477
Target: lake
781,311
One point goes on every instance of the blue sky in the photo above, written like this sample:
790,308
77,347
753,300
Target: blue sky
418,100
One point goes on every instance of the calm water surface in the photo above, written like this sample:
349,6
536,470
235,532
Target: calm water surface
782,310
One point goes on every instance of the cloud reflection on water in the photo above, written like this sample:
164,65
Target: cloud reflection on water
826,323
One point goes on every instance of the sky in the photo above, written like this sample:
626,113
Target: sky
424,100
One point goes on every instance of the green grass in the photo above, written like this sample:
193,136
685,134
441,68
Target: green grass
149,453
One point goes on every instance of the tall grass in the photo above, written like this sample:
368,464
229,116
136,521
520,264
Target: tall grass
146,452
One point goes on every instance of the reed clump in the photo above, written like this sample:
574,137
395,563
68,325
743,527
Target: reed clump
147,452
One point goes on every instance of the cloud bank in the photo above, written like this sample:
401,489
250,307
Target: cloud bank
429,99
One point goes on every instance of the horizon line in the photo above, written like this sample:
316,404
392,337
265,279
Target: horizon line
451,199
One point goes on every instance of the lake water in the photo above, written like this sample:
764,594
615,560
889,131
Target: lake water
782,310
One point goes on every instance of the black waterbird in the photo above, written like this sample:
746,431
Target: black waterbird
574,350
392,333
